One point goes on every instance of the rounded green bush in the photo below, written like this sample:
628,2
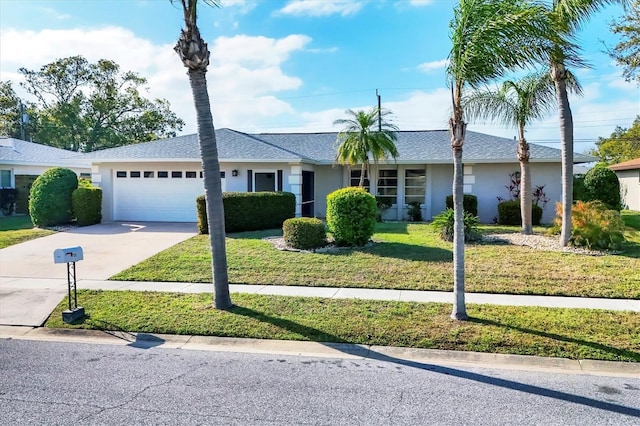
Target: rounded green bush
351,216
469,203
50,197
509,213
304,233
601,183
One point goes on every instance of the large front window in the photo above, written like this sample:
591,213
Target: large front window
355,179
5,178
388,185
414,185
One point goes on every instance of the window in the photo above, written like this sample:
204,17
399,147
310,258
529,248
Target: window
148,174
355,179
85,175
223,175
121,174
176,174
163,174
414,185
5,178
134,174
190,175
388,185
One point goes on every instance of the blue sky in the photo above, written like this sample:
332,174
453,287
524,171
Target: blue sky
296,65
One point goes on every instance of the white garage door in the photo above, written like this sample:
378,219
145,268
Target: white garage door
157,195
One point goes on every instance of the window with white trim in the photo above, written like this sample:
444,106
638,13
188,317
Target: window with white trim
354,178
414,185
5,178
388,185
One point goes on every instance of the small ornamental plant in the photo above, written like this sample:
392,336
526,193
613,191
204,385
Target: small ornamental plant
351,216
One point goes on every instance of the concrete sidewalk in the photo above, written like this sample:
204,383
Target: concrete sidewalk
29,301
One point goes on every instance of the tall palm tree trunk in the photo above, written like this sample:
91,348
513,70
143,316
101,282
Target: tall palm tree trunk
525,185
212,187
559,76
363,170
458,127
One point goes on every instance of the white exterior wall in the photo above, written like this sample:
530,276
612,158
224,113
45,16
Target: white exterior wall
37,170
630,188
327,179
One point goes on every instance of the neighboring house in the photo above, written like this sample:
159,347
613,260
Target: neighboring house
159,180
628,174
21,162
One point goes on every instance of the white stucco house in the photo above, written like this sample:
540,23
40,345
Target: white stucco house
159,180
628,173
21,162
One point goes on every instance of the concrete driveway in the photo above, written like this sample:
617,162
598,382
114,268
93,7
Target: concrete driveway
31,285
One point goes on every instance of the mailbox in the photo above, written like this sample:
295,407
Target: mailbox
67,255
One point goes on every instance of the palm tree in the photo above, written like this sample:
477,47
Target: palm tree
365,136
489,38
194,53
518,103
567,17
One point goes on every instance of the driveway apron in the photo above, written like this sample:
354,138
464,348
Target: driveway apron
31,285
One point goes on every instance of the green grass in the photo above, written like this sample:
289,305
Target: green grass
18,229
406,256
631,218
566,333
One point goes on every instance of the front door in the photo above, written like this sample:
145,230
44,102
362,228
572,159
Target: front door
308,190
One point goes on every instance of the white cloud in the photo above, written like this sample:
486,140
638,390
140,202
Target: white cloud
54,13
321,8
243,6
419,3
433,66
243,78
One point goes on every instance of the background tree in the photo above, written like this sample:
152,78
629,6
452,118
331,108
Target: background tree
518,103
194,53
84,107
366,136
622,145
627,52
568,16
11,111
488,38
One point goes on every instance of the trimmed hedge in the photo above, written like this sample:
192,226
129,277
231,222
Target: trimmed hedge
50,197
304,233
509,213
250,211
469,203
87,205
351,216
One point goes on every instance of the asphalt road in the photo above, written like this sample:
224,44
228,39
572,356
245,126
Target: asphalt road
69,383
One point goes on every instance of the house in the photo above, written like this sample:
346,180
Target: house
628,174
21,162
159,180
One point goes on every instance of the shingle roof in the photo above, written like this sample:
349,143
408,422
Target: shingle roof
232,145
429,146
17,151
627,165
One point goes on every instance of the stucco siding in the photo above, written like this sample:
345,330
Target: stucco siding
630,188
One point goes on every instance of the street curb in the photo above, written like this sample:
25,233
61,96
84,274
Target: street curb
407,356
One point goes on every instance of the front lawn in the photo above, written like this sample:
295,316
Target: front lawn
18,229
566,333
406,256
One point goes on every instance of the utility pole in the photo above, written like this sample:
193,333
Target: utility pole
379,112
21,121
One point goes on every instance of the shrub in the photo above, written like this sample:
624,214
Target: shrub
509,213
601,183
444,223
351,216
469,203
304,233
580,192
50,197
250,211
414,212
86,203
383,204
593,225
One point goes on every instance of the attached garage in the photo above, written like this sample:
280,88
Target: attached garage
156,195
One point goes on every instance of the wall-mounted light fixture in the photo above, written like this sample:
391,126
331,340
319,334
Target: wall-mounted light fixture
234,172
